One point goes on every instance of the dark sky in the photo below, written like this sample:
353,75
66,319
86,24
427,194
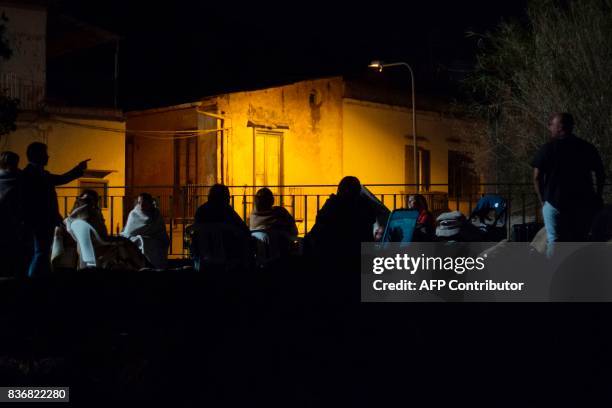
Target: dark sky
180,51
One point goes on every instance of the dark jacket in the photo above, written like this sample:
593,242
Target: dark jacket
40,198
11,205
215,213
342,225
566,166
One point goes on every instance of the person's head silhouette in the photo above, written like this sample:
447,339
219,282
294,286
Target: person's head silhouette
37,154
9,161
417,202
349,188
264,199
89,197
219,195
146,203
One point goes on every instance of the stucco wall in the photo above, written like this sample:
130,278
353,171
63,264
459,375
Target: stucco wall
154,153
68,144
325,137
26,34
376,135
312,144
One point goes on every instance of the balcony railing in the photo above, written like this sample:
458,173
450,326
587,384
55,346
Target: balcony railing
30,93
179,203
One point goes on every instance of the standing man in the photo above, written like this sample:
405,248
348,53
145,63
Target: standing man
563,181
41,209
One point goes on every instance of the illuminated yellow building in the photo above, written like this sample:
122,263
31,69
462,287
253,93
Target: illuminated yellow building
71,133
307,133
72,137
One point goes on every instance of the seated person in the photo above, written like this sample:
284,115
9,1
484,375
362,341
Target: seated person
345,220
111,252
86,207
145,226
64,251
425,228
218,209
382,213
219,236
270,217
272,226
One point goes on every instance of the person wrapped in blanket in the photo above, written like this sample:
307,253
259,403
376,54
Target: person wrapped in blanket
145,227
345,221
267,216
111,252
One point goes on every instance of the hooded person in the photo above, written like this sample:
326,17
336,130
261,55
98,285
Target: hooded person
219,237
64,252
218,209
381,211
86,208
344,222
118,253
145,226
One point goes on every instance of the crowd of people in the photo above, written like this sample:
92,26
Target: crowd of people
36,239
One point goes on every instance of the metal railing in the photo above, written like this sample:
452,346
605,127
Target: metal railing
30,93
179,203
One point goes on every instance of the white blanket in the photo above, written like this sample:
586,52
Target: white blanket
138,223
149,233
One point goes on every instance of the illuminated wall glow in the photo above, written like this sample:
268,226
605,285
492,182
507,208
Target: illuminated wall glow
322,135
68,145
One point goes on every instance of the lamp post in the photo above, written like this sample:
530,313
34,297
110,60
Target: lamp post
379,65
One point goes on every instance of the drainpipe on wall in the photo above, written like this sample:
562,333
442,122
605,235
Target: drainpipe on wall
220,135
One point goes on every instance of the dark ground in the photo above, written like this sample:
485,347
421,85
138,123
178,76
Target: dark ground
295,335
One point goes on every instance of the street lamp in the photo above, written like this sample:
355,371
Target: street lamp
379,65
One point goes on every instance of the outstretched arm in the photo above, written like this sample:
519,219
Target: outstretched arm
75,173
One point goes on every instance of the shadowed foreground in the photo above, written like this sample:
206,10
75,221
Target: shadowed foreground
283,336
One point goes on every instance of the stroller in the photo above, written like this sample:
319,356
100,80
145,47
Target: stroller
492,213
454,226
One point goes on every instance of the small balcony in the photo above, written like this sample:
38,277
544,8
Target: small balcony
31,94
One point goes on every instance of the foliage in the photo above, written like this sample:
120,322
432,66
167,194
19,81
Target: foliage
559,59
8,105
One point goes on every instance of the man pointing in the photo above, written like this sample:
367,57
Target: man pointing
40,204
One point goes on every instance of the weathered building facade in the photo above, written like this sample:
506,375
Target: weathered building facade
296,138
71,133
